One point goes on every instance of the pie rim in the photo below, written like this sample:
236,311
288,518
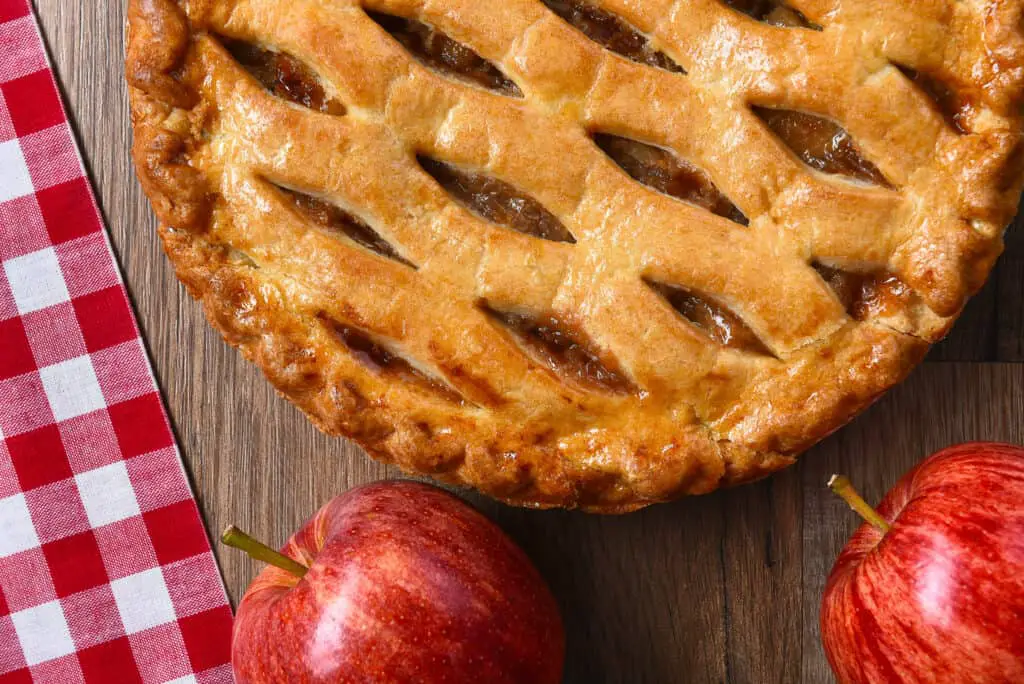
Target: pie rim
637,465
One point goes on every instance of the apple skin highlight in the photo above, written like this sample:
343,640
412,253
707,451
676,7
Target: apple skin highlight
939,597
405,583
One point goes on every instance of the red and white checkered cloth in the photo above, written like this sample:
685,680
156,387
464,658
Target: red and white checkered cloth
106,573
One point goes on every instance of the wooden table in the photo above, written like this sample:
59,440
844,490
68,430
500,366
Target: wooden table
723,588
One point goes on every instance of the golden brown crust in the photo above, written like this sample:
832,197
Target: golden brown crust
211,145
158,38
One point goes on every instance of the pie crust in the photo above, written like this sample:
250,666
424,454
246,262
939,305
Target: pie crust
585,254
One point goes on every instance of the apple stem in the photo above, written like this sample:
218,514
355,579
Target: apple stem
257,550
841,485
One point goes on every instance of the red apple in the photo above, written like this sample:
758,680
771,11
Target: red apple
405,583
931,588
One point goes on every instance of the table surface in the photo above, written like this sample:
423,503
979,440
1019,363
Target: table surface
721,588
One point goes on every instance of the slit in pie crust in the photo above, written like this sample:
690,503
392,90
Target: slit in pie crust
580,253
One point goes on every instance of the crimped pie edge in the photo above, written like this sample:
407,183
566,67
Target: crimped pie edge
669,462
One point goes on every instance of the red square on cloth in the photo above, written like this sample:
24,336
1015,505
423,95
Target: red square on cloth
8,478
68,210
12,10
75,563
160,653
92,616
50,156
177,531
8,308
23,405
22,676
11,658
126,547
194,585
6,125
57,511
85,264
110,662
15,352
216,675
23,224
123,372
33,103
208,638
105,318
25,580
90,441
140,425
156,484
53,334
23,52
39,457
65,670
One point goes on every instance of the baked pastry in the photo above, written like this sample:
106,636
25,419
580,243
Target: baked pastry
592,254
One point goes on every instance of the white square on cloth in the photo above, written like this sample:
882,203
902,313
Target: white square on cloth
107,494
72,388
36,280
17,532
15,180
43,633
143,600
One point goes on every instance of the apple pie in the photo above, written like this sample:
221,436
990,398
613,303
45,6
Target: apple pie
580,253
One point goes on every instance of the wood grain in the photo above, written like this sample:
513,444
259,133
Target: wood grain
723,588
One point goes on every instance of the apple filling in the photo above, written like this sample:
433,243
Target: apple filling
821,144
284,76
955,108
611,32
866,295
567,353
335,219
667,173
772,12
714,320
382,361
497,201
438,51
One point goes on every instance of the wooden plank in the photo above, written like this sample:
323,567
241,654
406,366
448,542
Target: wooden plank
723,588
762,563
1009,283
641,594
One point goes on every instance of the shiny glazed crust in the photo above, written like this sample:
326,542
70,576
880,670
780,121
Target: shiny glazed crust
212,147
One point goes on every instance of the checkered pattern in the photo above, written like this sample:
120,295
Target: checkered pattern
106,573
